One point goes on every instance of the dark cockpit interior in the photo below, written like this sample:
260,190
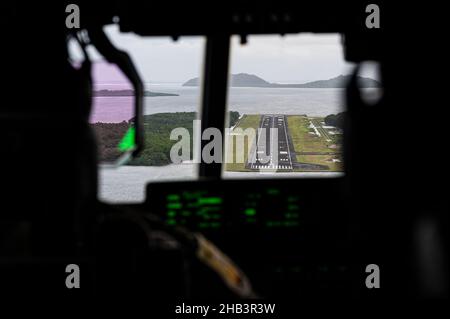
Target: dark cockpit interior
378,229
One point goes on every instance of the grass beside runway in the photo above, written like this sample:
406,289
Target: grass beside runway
247,121
301,135
309,148
314,149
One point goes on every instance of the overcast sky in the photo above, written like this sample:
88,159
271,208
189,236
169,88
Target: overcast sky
293,58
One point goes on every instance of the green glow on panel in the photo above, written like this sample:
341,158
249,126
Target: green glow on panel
210,200
282,224
273,191
250,212
173,197
174,205
127,142
171,213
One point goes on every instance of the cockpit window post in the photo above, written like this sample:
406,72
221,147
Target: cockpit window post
214,100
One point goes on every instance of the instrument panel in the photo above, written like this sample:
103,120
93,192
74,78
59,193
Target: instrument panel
285,234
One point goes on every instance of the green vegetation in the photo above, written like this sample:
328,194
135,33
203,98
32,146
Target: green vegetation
336,120
302,137
233,118
157,129
313,141
109,137
129,93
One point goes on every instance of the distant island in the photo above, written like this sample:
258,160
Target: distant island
251,80
129,93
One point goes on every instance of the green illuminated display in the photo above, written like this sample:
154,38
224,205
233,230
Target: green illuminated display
250,212
173,197
195,209
171,213
273,191
278,223
203,209
174,205
209,200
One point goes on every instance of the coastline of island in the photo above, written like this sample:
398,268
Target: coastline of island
116,93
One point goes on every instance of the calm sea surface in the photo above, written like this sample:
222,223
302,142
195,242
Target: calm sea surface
313,102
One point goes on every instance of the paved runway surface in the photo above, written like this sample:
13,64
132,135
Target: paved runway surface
271,152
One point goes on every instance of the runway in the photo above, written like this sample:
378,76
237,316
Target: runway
272,151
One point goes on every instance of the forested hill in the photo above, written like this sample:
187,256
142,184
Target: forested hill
129,93
157,129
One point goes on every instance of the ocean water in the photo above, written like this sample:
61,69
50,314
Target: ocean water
127,183
313,102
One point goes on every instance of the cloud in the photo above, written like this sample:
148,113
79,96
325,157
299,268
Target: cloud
292,58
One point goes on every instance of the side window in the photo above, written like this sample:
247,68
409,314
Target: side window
164,66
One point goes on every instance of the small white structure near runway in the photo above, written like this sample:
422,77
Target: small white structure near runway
311,125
